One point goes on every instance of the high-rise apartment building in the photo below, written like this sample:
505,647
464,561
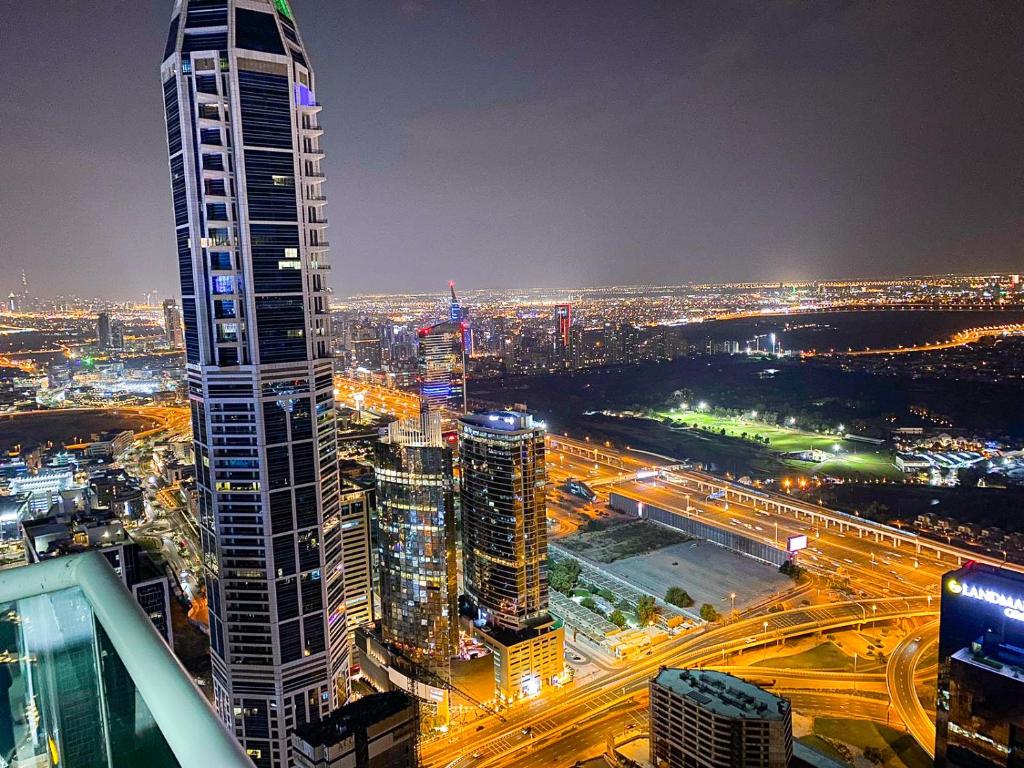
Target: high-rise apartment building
243,137
416,538
505,548
980,691
703,719
504,523
173,332
349,573
441,366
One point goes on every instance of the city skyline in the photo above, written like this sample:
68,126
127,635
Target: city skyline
777,142
718,504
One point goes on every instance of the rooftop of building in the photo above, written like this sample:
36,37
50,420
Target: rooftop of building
510,637
354,717
503,421
58,535
724,694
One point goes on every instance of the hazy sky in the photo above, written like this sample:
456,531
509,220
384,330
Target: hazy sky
518,143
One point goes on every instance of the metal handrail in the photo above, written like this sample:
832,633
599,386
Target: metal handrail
185,718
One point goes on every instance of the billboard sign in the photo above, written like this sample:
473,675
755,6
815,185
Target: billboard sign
796,543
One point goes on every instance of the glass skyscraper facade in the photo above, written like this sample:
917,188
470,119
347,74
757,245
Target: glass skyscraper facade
504,524
250,231
417,542
980,706
441,366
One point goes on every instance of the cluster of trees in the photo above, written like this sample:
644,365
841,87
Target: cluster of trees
564,575
679,597
794,571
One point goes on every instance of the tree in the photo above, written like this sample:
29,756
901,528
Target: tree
708,612
646,610
617,618
678,596
563,575
588,603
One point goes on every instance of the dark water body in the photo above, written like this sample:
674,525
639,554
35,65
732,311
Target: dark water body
856,330
808,389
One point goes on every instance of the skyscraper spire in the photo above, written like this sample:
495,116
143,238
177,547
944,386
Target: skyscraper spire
244,149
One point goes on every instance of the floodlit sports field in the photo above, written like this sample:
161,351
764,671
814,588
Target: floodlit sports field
847,458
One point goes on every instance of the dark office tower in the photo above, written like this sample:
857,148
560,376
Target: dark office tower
103,330
980,706
504,531
172,324
244,148
441,367
416,538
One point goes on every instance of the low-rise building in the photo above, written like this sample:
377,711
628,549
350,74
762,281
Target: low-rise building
705,719
110,444
376,731
527,660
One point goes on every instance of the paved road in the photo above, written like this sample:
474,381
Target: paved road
900,676
498,741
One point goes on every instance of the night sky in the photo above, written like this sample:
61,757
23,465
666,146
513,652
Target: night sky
521,144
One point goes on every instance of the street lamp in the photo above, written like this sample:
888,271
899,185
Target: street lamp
766,627
732,596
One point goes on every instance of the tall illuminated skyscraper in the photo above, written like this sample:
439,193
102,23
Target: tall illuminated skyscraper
172,324
441,367
505,548
244,148
416,537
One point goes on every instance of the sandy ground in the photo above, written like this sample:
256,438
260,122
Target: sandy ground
708,572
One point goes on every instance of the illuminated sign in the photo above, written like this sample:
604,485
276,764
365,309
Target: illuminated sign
1013,607
796,543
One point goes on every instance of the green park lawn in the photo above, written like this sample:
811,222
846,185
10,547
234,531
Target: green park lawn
825,656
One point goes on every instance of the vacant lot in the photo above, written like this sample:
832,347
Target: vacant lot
63,427
709,573
620,540
899,748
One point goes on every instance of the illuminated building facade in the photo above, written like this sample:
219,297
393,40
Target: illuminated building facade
980,707
504,524
349,576
563,334
172,325
417,542
505,548
248,208
441,366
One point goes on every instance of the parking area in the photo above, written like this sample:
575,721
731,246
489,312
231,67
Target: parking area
709,573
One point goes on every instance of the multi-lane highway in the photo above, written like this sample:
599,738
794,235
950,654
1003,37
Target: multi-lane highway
496,742
901,674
